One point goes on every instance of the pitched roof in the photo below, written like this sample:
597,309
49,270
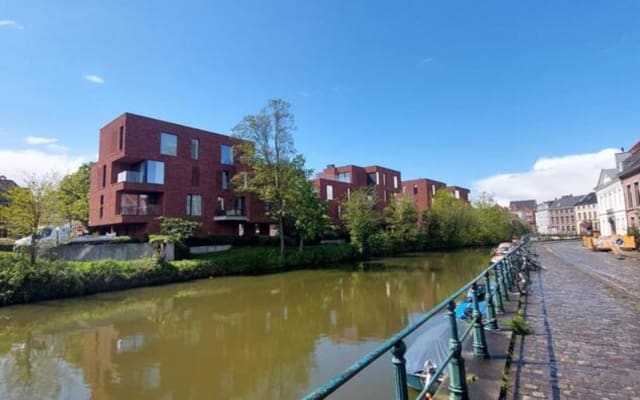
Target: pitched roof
567,201
630,166
522,204
587,199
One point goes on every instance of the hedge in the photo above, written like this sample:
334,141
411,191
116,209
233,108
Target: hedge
21,282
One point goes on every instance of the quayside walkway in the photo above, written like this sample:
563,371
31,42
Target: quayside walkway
585,314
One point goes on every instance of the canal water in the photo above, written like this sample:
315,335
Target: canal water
265,337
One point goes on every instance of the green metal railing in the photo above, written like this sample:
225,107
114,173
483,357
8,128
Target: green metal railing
502,277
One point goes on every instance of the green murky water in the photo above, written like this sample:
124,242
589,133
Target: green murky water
266,337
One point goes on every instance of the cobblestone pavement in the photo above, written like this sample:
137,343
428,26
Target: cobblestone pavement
584,311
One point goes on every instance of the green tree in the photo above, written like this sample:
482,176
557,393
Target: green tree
360,218
309,211
492,223
178,229
401,217
74,195
449,221
274,166
31,206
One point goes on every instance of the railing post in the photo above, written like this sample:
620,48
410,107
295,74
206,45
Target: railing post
498,297
479,341
458,380
507,272
398,350
502,264
491,312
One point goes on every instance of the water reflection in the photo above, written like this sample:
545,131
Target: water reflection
274,336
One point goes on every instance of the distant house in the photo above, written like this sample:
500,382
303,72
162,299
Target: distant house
586,210
5,186
525,210
562,217
543,218
422,191
612,212
630,180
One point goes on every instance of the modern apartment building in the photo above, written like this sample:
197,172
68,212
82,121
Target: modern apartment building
335,184
421,192
149,168
459,192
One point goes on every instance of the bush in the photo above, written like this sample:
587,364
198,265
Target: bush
6,244
21,282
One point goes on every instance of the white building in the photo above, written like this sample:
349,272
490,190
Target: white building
542,218
612,213
587,213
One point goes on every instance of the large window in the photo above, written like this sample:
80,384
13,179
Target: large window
154,172
372,178
329,192
344,177
139,204
395,181
195,149
226,154
194,205
168,144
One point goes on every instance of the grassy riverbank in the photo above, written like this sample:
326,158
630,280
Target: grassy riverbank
21,282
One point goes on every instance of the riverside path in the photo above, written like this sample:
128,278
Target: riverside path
585,314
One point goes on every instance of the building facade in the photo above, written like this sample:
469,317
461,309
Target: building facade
612,212
525,210
630,179
586,210
562,217
148,168
335,185
459,193
543,219
421,192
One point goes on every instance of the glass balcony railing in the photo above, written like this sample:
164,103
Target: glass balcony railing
153,210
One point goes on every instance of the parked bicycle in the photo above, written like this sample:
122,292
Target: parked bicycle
523,262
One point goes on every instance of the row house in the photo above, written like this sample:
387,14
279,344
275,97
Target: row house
612,211
543,218
149,168
525,210
562,219
586,210
630,180
335,185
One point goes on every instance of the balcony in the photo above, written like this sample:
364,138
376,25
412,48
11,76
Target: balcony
335,178
234,214
143,210
130,177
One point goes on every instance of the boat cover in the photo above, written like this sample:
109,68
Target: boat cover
431,343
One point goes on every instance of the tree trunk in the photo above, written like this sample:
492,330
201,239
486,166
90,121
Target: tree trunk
33,250
301,241
281,224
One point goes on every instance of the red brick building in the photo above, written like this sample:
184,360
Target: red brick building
149,168
525,210
335,184
422,191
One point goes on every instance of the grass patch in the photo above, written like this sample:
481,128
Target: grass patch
519,325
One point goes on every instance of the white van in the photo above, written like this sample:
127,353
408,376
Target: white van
49,236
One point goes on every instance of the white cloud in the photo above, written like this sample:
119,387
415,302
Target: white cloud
94,79
17,164
39,140
549,178
425,61
10,24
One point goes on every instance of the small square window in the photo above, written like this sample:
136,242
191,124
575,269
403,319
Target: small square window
168,144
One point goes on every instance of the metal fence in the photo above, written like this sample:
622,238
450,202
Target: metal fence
497,279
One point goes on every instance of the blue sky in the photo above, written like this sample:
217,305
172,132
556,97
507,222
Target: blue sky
465,92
